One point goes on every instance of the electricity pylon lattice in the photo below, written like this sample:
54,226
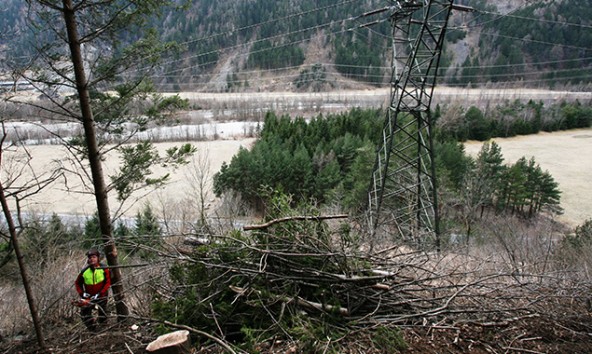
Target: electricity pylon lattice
402,198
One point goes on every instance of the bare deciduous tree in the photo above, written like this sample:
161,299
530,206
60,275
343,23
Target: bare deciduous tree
200,177
17,182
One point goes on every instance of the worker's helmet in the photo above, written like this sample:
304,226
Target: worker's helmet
93,251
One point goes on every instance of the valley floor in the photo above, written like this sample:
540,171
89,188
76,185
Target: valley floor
566,155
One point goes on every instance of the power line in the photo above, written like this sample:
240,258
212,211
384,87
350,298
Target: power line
517,75
522,64
324,64
535,41
176,73
332,78
248,43
500,16
270,21
564,23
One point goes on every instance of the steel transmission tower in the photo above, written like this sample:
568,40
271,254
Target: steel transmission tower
402,198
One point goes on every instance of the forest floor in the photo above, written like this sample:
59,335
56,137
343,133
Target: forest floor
534,335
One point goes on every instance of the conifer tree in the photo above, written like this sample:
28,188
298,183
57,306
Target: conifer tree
84,52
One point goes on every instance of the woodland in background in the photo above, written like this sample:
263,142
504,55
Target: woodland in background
328,159
499,59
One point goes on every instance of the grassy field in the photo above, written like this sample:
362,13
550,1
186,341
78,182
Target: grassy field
566,155
69,196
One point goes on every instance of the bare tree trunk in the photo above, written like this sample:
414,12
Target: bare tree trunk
23,270
94,158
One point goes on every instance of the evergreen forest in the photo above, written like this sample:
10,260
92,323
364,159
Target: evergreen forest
328,159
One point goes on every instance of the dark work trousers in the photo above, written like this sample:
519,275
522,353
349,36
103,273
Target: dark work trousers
87,313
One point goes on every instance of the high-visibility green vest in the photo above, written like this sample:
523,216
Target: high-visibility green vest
93,277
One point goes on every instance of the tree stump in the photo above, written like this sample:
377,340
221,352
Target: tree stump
177,342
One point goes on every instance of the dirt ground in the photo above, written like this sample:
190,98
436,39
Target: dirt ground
538,335
566,155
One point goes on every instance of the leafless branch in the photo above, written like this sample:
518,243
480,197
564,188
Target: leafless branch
293,218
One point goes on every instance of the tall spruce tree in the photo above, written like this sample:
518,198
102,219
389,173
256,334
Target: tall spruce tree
85,49
488,169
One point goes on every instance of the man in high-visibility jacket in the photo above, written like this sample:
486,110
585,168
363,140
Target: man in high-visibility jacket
92,284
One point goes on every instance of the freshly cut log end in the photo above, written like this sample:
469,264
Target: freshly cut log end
177,342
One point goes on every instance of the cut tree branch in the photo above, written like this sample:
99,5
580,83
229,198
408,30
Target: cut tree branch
293,218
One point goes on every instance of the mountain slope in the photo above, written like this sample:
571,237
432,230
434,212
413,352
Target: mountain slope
317,45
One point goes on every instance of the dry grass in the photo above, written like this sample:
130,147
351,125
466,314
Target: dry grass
69,196
567,155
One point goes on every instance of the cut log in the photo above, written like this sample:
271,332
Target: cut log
177,342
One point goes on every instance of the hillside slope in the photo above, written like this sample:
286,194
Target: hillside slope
306,45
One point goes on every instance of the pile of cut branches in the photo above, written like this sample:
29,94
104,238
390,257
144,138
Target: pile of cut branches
304,281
